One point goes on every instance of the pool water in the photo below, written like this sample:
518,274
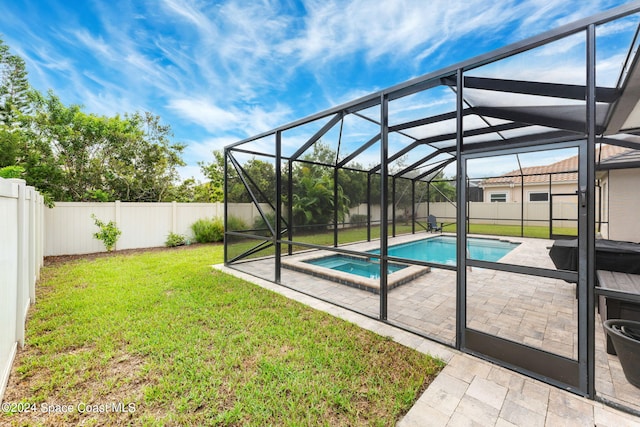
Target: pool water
442,249
359,266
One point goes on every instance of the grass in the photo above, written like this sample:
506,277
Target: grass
513,230
185,345
349,235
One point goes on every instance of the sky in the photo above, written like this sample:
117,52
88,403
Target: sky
220,71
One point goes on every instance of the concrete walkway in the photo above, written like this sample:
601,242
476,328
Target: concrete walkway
470,391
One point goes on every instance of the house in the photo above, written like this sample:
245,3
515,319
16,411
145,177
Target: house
619,176
535,184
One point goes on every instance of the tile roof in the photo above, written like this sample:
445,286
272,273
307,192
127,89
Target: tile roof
540,174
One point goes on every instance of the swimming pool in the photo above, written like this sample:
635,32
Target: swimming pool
361,266
364,273
442,249
360,272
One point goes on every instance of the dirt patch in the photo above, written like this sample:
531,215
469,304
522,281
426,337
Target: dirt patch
111,397
61,259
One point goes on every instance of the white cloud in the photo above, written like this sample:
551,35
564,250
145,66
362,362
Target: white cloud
235,68
202,150
190,12
204,113
191,171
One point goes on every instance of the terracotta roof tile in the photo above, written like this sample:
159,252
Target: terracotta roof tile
538,174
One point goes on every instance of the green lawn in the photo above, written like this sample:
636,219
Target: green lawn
186,345
513,230
349,235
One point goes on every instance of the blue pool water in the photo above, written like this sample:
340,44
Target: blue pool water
359,266
442,249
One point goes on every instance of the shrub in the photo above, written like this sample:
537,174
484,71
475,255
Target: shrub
109,233
260,226
358,220
11,172
235,223
208,230
174,239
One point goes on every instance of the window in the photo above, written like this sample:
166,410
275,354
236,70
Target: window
498,197
538,197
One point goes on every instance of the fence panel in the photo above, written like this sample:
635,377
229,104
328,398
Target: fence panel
20,262
70,229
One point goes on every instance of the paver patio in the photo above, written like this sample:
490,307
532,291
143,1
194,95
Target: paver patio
536,311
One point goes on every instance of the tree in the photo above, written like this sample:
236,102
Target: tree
14,87
212,190
442,189
260,177
214,171
141,162
313,190
70,155
15,101
83,157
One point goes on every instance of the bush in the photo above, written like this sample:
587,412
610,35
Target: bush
108,233
358,220
174,239
260,226
11,172
208,230
235,223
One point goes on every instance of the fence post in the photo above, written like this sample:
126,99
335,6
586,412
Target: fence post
31,192
117,219
174,215
39,234
23,262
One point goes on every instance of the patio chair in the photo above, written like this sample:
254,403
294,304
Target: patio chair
432,224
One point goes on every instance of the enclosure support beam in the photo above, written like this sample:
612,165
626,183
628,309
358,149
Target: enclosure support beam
393,206
278,207
331,123
335,207
521,202
290,205
254,199
435,168
384,175
359,151
461,254
554,90
550,209
225,187
586,337
413,207
368,207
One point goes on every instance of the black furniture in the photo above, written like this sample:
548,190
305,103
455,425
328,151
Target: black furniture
618,298
618,283
611,255
432,224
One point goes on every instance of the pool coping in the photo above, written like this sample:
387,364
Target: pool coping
296,262
395,279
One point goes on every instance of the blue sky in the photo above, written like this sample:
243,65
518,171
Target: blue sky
220,71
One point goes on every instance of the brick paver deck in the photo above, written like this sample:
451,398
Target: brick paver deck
535,311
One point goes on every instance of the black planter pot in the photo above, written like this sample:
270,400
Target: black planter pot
625,335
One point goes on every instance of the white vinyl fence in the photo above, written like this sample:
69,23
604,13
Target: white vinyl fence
21,256
70,228
534,213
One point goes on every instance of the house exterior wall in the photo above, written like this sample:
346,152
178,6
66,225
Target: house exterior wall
624,205
514,194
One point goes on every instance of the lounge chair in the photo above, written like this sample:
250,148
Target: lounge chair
432,224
